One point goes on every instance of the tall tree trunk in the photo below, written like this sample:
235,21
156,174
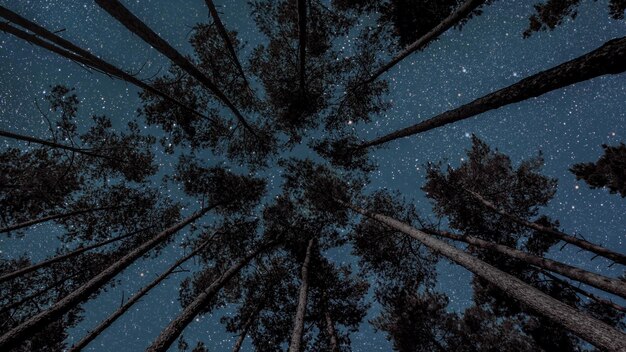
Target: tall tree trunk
298,321
126,306
224,34
28,223
302,36
78,54
20,137
455,17
594,248
332,333
13,337
246,328
610,58
607,284
61,257
135,25
592,330
176,327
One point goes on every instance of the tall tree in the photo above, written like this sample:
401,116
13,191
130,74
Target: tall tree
298,320
608,172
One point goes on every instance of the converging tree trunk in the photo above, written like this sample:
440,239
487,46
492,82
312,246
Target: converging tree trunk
332,333
126,306
13,337
592,330
610,58
54,217
246,328
135,25
20,137
302,43
614,286
176,327
594,248
298,321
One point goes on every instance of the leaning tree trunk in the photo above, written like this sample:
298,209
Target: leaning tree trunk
298,321
610,58
13,337
604,283
135,25
450,21
592,330
246,328
54,217
65,256
331,331
594,248
118,313
78,54
302,39
176,327
20,137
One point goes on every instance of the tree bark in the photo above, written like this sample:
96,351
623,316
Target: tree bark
594,248
604,283
126,306
135,25
78,54
610,58
455,17
246,327
20,137
298,321
176,327
302,36
592,330
332,333
224,34
53,217
61,257
13,337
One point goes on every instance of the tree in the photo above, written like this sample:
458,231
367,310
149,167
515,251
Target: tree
607,172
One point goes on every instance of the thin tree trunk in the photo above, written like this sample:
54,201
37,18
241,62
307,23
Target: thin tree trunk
13,337
607,284
61,257
38,293
332,333
610,58
298,321
246,327
135,25
50,144
302,36
592,330
176,327
450,21
589,295
126,306
54,217
75,53
594,248
224,34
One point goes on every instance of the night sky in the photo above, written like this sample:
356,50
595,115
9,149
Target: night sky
567,125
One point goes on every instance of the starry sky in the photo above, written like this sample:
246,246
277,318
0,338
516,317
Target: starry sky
567,125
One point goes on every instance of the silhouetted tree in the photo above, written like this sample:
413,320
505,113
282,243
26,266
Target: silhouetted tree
608,172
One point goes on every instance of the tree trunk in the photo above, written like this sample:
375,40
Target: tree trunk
78,54
610,58
135,25
594,248
302,36
246,327
20,137
54,217
298,321
592,330
224,34
607,284
332,333
176,327
455,17
13,337
118,313
61,257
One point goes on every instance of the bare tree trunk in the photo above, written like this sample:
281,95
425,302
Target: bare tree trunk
246,327
455,17
13,337
592,330
302,36
607,284
75,53
135,25
48,143
118,313
594,248
224,34
61,257
176,327
28,223
610,58
298,321
332,333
